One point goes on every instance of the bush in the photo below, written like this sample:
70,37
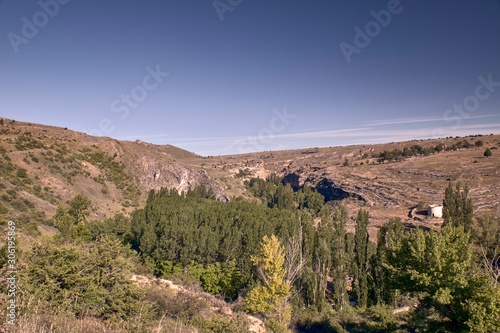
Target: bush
19,205
177,305
3,209
22,173
222,324
83,279
382,320
243,173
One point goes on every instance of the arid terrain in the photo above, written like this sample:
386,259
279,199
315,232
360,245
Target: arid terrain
117,175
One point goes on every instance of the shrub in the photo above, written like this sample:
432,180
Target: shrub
243,173
19,205
3,209
382,320
22,173
84,279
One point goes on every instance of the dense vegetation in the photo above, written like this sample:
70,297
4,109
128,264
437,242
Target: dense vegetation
270,259
274,193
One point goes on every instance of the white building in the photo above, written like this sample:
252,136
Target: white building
435,210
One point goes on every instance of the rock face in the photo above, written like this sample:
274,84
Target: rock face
155,166
173,175
292,179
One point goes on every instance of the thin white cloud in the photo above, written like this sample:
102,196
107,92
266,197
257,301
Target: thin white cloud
354,136
401,121
420,120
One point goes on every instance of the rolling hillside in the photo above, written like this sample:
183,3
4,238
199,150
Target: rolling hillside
44,166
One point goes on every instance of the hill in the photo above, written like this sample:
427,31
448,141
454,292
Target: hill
44,166
202,261
379,177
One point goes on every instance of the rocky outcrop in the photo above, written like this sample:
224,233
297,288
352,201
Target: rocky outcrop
155,167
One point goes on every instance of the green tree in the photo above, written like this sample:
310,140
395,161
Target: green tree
340,260
78,208
321,260
360,282
479,143
487,152
283,199
457,206
389,236
64,222
437,268
271,296
486,237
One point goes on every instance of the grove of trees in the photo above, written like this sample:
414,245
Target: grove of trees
289,259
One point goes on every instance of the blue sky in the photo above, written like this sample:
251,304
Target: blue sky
233,76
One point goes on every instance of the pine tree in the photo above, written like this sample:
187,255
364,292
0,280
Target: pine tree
78,208
64,222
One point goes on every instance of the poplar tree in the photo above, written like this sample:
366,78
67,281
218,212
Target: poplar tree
360,283
271,296
457,206
321,259
340,259
389,236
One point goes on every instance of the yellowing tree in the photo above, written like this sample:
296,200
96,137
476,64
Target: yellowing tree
271,296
